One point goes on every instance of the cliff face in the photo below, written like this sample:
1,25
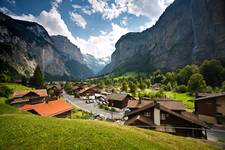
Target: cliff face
189,31
24,45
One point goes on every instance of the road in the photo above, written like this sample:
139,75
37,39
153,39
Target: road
92,108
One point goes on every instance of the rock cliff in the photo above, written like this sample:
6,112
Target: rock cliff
189,31
24,45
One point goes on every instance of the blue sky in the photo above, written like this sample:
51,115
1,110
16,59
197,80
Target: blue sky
93,25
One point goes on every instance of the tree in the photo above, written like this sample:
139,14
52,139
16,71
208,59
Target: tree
223,86
212,71
196,83
132,87
124,86
101,85
157,77
37,80
184,74
142,85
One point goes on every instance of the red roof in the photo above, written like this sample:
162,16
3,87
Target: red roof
170,104
21,93
52,108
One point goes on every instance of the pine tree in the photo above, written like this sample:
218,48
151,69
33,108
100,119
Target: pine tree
37,80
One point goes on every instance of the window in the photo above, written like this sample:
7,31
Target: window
163,116
147,114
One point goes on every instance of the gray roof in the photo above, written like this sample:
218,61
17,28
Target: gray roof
117,97
211,96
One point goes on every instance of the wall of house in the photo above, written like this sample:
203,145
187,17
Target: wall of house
206,107
221,105
208,119
64,115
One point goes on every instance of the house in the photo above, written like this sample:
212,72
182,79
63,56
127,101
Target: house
21,97
156,116
56,108
118,100
173,105
56,90
211,108
88,91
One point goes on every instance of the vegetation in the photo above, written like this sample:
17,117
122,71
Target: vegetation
207,77
37,80
6,90
27,131
80,114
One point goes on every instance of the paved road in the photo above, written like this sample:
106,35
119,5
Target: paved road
216,134
92,108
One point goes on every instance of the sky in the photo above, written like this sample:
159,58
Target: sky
93,25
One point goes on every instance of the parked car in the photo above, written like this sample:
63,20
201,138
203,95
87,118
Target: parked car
87,101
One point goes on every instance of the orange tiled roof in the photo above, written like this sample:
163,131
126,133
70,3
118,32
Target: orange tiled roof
40,92
52,108
173,105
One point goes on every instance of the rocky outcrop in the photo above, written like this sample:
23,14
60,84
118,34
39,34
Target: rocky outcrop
24,45
189,31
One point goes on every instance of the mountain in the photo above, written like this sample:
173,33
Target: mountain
24,45
96,64
72,57
189,31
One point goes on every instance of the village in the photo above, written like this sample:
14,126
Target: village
58,99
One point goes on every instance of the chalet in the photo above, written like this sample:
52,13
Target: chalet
55,108
21,97
57,90
88,91
211,109
118,100
155,116
173,105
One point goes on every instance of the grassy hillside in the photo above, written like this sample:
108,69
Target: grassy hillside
26,131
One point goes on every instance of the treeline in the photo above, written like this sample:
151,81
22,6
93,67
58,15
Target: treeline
207,77
36,81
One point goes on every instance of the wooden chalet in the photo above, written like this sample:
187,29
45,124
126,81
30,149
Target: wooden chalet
56,108
22,97
156,116
118,100
88,91
173,105
211,108
56,89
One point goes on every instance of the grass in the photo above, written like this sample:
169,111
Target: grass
13,87
27,131
80,114
185,97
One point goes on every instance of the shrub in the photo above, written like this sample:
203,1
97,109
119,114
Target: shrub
5,91
181,89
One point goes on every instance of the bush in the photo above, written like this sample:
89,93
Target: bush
181,89
113,110
5,91
223,86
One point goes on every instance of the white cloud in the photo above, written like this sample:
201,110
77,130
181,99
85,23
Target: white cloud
102,45
151,9
75,6
13,2
55,3
51,20
124,21
5,10
108,11
78,19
